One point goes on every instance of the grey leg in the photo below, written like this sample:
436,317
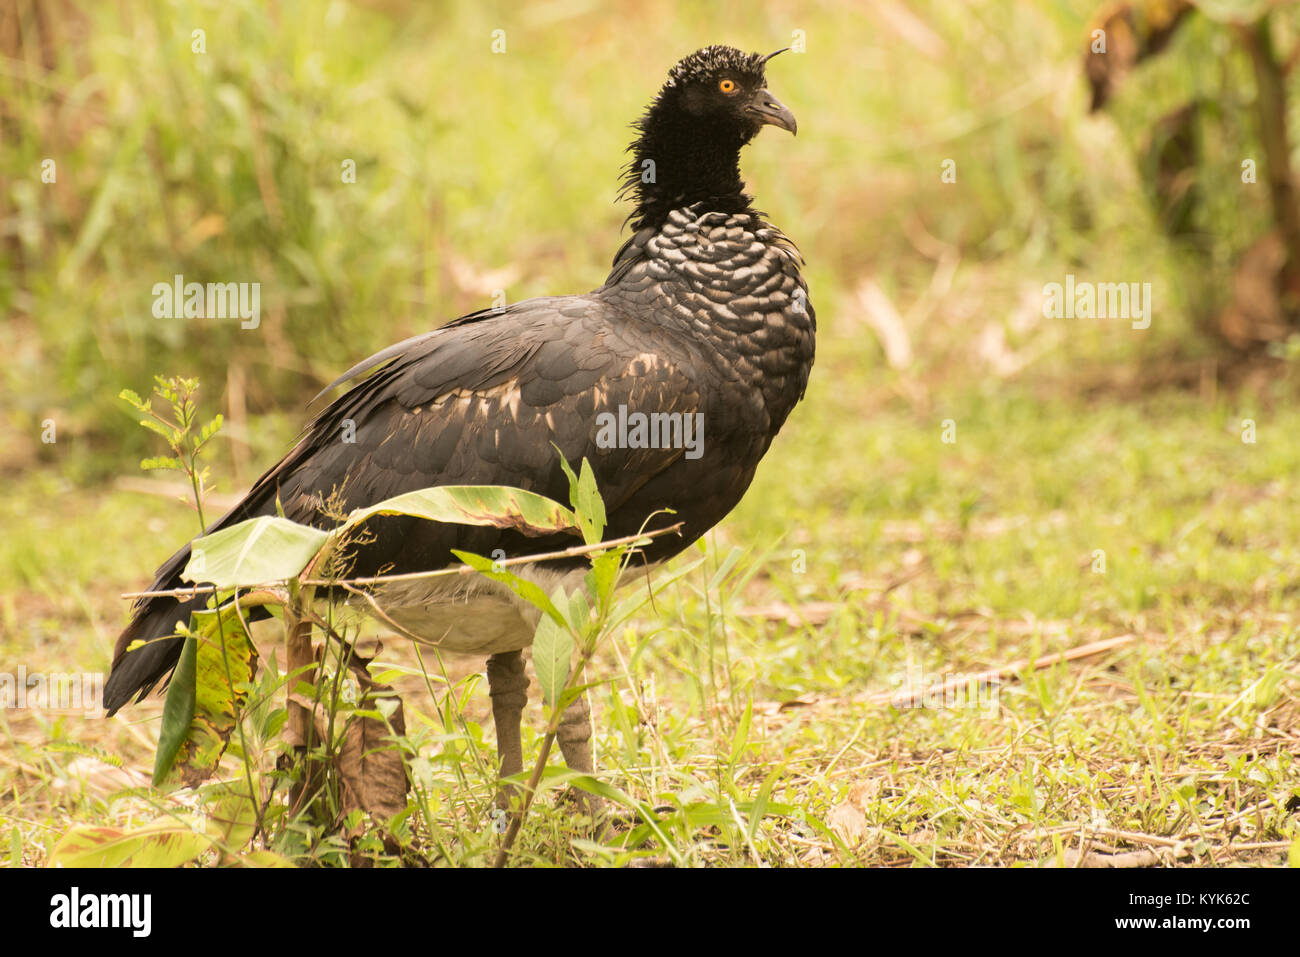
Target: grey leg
508,687
574,735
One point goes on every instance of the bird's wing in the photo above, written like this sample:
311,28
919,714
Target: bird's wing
488,403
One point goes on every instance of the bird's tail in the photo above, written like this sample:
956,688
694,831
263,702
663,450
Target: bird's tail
153,622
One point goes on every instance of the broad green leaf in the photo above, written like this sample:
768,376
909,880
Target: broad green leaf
603,576
585,499
591,506
579,611
260,550
178,712
568,474
552,652
168,842
496,505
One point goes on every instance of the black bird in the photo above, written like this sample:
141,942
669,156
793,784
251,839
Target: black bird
704,315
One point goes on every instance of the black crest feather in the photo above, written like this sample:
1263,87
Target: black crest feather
690,161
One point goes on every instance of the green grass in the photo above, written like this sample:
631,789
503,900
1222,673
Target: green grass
920,558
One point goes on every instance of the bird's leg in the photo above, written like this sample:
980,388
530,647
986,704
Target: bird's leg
574,734
508,687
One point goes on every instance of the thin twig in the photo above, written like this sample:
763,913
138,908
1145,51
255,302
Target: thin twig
435,573
903,698
385,618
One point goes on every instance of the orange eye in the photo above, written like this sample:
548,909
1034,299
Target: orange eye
727,86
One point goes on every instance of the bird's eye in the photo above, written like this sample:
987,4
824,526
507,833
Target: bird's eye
727,86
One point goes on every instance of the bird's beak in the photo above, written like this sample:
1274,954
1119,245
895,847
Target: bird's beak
770,110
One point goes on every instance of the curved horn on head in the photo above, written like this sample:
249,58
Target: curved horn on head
770,55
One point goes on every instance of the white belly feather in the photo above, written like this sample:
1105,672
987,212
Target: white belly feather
470,614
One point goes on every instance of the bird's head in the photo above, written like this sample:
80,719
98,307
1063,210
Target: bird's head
713,103
722,87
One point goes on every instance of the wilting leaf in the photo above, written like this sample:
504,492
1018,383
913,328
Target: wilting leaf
254,552
215,703
552,651
494,505
168,842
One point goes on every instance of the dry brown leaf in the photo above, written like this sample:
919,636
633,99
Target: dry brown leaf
849,823
371,770
848,819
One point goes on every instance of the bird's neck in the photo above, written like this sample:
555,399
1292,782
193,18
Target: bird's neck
673,167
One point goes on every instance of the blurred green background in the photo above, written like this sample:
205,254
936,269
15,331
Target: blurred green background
477,171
